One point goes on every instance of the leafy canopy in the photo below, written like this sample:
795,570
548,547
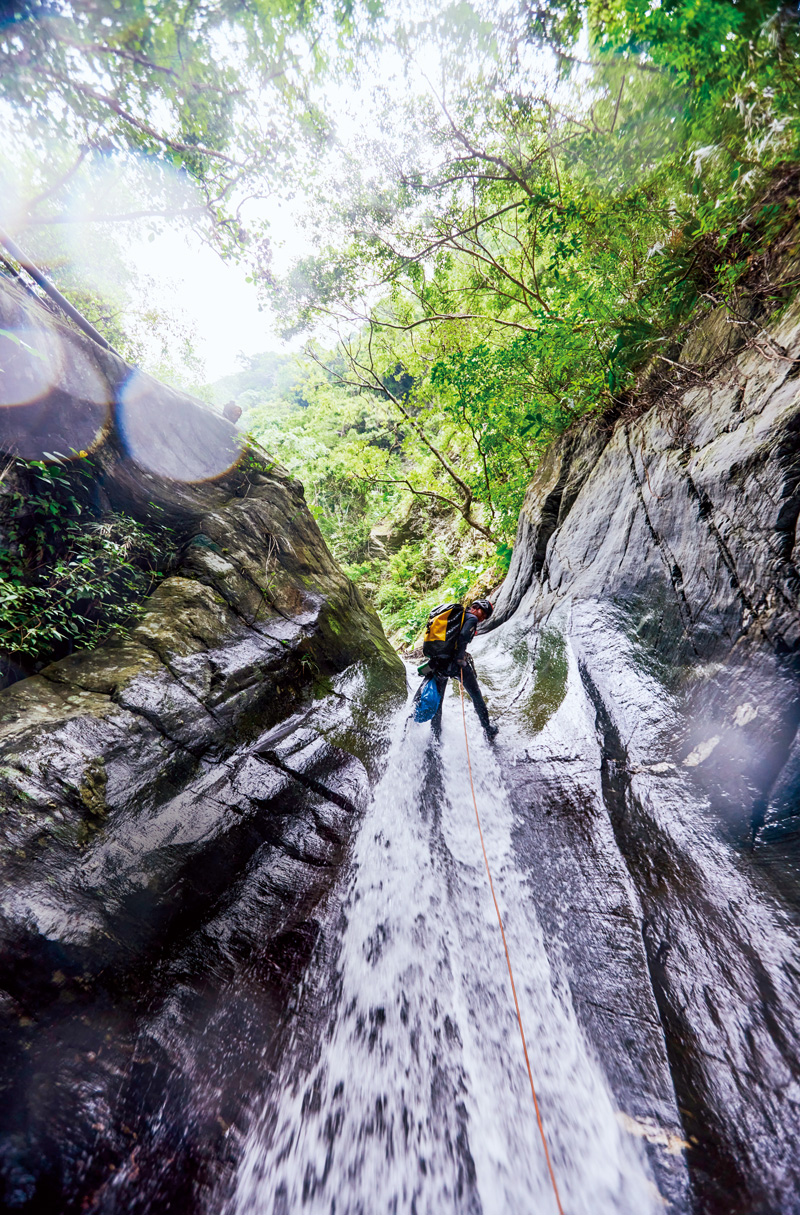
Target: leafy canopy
524,232
216,95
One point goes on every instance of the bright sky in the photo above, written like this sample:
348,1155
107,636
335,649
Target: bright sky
218,305
181,276
213,296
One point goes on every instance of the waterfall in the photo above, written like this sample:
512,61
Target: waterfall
403,1085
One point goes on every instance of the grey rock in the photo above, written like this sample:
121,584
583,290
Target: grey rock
150,854
660,552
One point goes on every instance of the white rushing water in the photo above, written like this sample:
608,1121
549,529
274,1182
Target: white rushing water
407,1090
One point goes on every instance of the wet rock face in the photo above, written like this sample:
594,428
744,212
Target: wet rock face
175,804
654,580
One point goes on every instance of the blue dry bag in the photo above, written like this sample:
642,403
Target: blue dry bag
429,701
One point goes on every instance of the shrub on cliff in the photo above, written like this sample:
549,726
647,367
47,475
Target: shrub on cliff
70,572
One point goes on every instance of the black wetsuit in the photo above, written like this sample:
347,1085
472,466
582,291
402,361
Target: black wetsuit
451,668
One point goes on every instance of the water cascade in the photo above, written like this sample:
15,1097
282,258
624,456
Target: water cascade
404,1075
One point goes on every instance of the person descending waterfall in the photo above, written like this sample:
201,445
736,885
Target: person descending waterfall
451,628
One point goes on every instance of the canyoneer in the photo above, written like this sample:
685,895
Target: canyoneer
450,629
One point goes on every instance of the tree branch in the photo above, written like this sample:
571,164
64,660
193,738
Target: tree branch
62,181
137,123
368,378
476,153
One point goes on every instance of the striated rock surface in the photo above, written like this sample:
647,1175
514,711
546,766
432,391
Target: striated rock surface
644,656
177,806
176,803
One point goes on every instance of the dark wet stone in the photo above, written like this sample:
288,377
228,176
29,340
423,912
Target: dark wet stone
159,878
656,557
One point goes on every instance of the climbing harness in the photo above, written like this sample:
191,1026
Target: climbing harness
508,960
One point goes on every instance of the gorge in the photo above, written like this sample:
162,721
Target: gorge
248,954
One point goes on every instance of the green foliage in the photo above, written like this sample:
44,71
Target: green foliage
516,257
69,578
529,253
269,382
348,452
501,254
213,98
504,554
404,601
337,444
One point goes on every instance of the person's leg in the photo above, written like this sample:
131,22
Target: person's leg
472,688
436,720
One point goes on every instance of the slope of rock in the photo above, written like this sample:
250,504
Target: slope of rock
176,802
654,583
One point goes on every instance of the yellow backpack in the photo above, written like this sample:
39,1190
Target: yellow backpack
441,634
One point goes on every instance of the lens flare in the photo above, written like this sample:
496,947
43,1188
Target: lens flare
54,398
30,363
173,436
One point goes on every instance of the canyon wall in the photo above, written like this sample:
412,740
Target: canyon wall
653,592
176,802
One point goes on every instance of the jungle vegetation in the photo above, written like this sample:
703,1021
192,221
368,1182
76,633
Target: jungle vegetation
525,208
520,244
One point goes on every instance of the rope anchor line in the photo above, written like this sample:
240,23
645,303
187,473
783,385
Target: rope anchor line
508,962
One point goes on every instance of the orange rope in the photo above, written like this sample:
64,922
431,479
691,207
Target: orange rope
508,961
